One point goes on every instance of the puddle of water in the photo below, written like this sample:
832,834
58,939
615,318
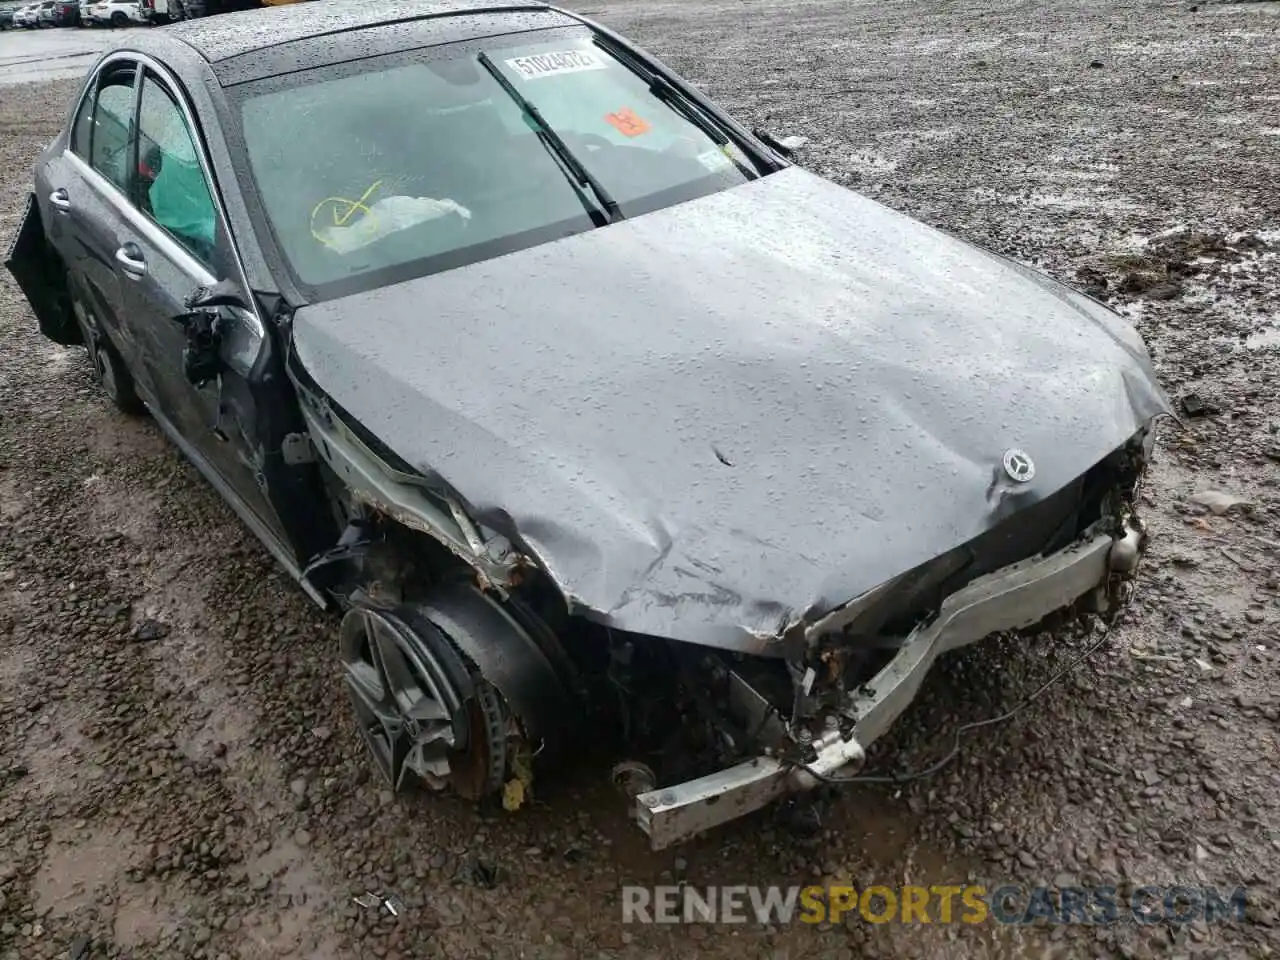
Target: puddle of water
119,509
58,360
142,916
12,502
1092,199
1087,176
865,161
979,46
288,931
937,45
906,135
60,759
74,869
1263,339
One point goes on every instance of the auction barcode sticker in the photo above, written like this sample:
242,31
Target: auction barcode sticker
540,65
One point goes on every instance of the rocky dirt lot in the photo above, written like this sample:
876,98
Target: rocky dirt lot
179,773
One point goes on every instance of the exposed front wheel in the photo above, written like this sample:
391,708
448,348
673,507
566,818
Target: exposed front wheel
424,711
118,19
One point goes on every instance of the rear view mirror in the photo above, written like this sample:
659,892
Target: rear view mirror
783,145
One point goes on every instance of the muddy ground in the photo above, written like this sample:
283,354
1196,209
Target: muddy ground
202,793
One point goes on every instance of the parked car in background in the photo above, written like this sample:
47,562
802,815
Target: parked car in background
25,16
158,11
116,13
44,14
66,13
6,17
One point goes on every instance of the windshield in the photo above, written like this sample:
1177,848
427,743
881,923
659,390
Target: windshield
373,172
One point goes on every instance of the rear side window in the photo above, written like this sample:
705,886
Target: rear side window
112,121
172,189
81,130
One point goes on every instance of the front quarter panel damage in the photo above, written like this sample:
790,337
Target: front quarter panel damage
406,499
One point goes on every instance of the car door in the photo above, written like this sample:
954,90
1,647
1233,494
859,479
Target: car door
85,195
175,243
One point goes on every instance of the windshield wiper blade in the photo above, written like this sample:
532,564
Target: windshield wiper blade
553,142
668,93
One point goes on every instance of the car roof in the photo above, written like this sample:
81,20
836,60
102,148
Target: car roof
234,34
254,44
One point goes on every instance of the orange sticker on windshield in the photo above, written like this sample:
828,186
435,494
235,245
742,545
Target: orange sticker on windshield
627,123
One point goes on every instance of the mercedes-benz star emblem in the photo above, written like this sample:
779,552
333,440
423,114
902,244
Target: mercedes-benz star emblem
1018,465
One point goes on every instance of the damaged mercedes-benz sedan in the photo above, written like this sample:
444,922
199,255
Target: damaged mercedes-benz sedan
583,406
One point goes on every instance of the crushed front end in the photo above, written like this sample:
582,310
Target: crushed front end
782,725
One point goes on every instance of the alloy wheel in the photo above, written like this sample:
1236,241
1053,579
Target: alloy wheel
104,370
103,363
93,346
412,715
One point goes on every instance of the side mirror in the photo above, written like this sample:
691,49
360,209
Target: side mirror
783,145
224,293
202,356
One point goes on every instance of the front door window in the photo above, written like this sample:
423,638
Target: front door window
172,190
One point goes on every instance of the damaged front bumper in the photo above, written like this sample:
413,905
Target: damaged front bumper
1011,598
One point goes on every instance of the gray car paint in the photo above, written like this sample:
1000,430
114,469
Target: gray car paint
228,36
713,420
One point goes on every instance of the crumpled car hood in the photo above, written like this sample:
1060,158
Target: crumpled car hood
712,420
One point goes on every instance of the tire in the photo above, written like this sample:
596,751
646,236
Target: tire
449,638
118,19
108,367
117,383
458,740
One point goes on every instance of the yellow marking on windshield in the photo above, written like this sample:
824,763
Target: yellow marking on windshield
343,211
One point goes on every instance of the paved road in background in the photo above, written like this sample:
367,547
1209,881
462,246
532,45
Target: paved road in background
57,54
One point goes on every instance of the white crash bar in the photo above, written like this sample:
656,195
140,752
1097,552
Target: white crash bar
1012,597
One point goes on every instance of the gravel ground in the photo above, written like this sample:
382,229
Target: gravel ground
196,788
